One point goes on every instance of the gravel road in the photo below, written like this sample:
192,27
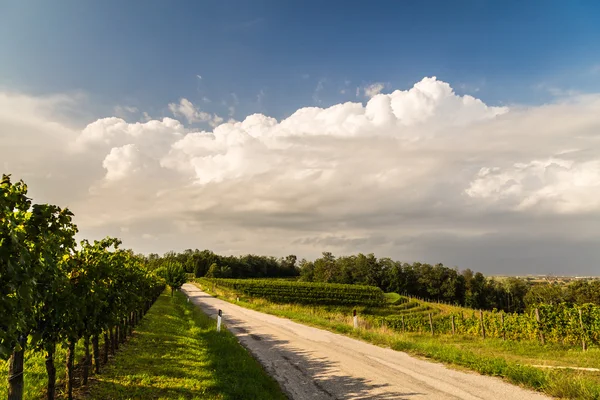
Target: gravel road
311,363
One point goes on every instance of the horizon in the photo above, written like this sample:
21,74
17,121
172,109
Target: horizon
467,135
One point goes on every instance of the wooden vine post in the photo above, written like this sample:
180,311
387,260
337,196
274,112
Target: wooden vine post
403,325
453,328
503,330
482,325
431,324
539,324
583,344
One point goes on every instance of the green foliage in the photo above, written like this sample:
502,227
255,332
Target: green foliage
218,271
247,266
50,293
559,323
303,292
174,274
33,241
177,353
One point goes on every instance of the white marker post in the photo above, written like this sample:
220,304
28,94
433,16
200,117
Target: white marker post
355,320
219,321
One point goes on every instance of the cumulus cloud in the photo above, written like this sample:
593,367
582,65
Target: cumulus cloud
561,185
373,89
408,174
120,162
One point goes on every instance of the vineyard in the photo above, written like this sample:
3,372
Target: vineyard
563,324
281,291
56,294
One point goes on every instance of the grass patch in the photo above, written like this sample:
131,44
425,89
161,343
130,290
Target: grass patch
177,353
35,377
510,360
392,298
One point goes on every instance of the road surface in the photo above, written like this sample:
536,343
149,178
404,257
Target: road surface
311,363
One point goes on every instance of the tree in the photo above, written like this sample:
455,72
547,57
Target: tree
174,275
326,269
307,270
218,271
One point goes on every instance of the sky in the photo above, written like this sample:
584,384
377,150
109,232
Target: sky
466,133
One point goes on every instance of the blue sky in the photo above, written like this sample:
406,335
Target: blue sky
505,181
147,54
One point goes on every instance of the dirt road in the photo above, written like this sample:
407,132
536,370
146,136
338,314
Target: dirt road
311,363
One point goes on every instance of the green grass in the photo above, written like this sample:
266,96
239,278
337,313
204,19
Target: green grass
392,298
510,360
177,353
35,377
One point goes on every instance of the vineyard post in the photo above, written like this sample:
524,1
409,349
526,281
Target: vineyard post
96,353
583,345
539,325
355,319
106,347
503,330
453,325
431,324
403,326
70,358
15,371
482,325
86,361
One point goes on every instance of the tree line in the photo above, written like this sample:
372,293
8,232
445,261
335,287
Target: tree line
206,263
443,284
431,282
54,292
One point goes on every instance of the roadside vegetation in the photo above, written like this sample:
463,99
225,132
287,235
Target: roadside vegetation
514,360
55,294
177,353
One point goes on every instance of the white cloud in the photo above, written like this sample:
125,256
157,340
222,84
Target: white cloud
120,162
408,169
373,89
559,185
186,109
125,111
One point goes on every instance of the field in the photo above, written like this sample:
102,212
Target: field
286,291
559,324
175,353
514,360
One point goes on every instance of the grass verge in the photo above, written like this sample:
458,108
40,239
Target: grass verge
506,359
177,353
